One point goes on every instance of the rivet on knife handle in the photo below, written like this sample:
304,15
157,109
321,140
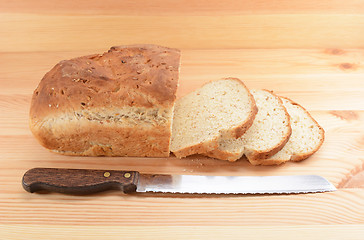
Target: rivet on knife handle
79,181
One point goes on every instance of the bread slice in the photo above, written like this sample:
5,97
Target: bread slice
306,138
222,107
269,133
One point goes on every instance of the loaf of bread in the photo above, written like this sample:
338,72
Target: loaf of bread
119,103
269,133
123,103
306,138
219,108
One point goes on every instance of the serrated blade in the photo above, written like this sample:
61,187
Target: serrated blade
233,184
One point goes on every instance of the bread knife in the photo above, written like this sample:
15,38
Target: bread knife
87,181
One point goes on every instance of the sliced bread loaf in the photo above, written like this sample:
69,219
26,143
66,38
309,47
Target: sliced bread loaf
306,138
268,134
223,107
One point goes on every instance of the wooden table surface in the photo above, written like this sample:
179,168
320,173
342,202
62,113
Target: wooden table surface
310,51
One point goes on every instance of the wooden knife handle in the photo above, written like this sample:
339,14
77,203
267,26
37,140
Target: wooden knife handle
79,181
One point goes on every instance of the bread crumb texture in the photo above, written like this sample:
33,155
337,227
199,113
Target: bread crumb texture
219,107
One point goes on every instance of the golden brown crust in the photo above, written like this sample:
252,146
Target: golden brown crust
295,157
144,76
266,162
136,75
223,155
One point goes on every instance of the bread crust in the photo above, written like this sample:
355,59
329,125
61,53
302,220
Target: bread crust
223,155
114,140
135,76
208,146
295,156
196,149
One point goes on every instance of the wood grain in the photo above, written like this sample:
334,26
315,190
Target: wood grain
79,181
310,51
182,7
296,71
32,32
356,180
17,231
114,208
